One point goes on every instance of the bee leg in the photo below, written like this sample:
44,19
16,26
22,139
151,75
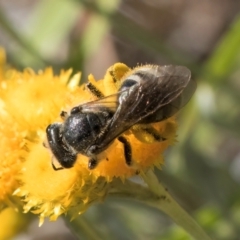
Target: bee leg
127,150
63,115
147,133
111,72
152,131
92,163
56,168
93,89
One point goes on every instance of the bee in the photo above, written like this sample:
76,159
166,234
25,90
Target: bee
147,94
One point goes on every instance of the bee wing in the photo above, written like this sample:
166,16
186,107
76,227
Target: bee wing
110,102
179,99
159,94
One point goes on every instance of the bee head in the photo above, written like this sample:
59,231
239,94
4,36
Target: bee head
63,154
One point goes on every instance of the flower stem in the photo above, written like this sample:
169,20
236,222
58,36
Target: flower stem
169,206
81,227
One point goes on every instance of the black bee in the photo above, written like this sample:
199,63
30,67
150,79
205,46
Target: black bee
148,94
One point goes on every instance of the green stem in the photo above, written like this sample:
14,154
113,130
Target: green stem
169,206
158,197
131,190
81,227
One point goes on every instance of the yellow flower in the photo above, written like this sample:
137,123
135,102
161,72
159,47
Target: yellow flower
12,150
29,102
12,145
51,193
12,223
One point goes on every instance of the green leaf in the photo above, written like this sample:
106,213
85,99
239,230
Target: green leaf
223,60
51,23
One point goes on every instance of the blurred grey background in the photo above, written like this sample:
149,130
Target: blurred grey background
202,170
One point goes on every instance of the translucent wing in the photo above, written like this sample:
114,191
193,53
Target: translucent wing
159,94
110,102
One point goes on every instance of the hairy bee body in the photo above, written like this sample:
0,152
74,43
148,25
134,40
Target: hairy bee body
147,94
